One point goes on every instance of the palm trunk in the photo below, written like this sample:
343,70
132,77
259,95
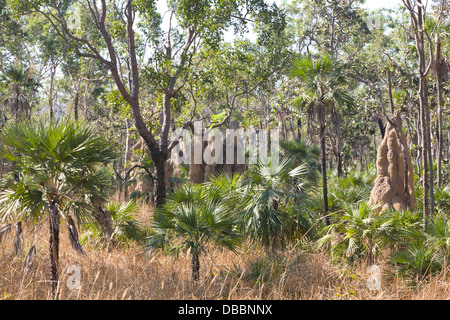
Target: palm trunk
73,237
324,171
18,239
195,267
54,248
103,218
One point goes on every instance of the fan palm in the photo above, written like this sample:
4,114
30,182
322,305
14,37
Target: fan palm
274,203
358,232
21,86
58,170
193,217
302,153
124,224
426,251
323,82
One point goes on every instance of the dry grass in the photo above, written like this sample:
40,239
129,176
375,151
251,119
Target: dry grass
127,273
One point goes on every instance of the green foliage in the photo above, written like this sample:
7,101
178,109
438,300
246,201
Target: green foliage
354,188
324,81
442,198
194,217
426,251
274,203
125,226
359,232
302,153
416,261
59,162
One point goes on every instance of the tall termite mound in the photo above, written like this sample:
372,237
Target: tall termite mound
394,185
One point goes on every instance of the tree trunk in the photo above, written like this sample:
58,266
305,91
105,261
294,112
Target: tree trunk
18,238
391,100
159,183
73,236
75,106
339,163
439,115
103,218
54,248
50,95
127,156
195,267
425,123
324,170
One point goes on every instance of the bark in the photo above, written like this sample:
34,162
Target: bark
54,248
50,94
417,16
75,106
391,100
73,236
439,115
18,239
159,187
127,157
321,115
195,267
425,123
103,218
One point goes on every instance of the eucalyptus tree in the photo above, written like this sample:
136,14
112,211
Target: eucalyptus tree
325,26
422,36
59,170
20,75
232,77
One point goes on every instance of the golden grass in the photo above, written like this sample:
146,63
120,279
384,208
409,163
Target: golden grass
127,273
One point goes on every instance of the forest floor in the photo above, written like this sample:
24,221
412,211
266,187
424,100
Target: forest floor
128,273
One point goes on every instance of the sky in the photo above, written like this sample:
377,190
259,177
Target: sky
369,4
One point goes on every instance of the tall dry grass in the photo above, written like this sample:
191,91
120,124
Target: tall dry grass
127,273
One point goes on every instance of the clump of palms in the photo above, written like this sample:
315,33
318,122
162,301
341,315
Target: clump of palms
59,169
357,233
302,153
425,251
274,203
125,226
416,261
354,188
21,87
194,217
442,198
